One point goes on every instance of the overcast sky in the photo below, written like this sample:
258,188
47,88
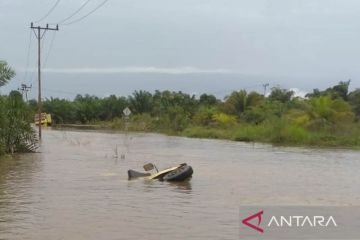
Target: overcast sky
196,46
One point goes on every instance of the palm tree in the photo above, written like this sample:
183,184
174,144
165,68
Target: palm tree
16,133
6,73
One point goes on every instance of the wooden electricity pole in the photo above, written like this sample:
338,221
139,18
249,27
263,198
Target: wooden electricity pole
39,33
24,89
265,85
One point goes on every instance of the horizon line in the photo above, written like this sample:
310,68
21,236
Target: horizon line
150,69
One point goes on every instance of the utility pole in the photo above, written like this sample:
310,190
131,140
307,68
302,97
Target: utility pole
39,33
265,86
24,89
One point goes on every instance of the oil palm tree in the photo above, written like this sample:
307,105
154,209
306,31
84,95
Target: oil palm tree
16,133
6,73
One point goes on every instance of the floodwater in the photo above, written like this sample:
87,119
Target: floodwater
77,186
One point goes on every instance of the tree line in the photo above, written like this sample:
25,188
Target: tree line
324,117
331,106
281,116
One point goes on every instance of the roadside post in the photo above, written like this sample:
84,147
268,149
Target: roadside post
127,113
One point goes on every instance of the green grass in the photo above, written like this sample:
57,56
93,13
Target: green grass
277,132
205,132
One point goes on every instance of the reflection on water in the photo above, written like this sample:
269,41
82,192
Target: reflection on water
182,186
77,187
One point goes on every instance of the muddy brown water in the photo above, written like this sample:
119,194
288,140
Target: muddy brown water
76,188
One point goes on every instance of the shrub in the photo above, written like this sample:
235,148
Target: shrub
204,117
224,120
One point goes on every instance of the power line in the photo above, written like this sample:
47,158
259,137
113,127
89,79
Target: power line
50,48
74,13
28,56
32,74
49,12
86,15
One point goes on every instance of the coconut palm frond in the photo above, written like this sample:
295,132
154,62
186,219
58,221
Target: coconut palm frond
6,73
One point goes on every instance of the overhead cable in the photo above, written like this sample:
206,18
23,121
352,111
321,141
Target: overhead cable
86,15
74,13
49,12
28,57
50,48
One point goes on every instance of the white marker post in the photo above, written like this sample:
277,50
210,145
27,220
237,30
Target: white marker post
127,113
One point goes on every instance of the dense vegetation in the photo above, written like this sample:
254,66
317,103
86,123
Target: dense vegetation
16,134
322,118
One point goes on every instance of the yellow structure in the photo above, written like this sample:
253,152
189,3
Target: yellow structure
45,119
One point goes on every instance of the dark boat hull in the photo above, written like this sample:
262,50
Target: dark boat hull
181,174
174,174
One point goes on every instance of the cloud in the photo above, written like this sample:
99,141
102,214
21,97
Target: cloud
176,70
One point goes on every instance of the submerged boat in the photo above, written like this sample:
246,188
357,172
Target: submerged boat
178,173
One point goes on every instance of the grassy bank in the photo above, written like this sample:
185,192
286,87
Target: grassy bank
277,132
287,136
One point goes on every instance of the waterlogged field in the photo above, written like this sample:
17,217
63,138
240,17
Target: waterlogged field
77,187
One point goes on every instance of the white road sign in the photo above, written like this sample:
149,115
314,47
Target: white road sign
127,111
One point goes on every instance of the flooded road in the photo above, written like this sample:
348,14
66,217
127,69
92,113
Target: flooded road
77,188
